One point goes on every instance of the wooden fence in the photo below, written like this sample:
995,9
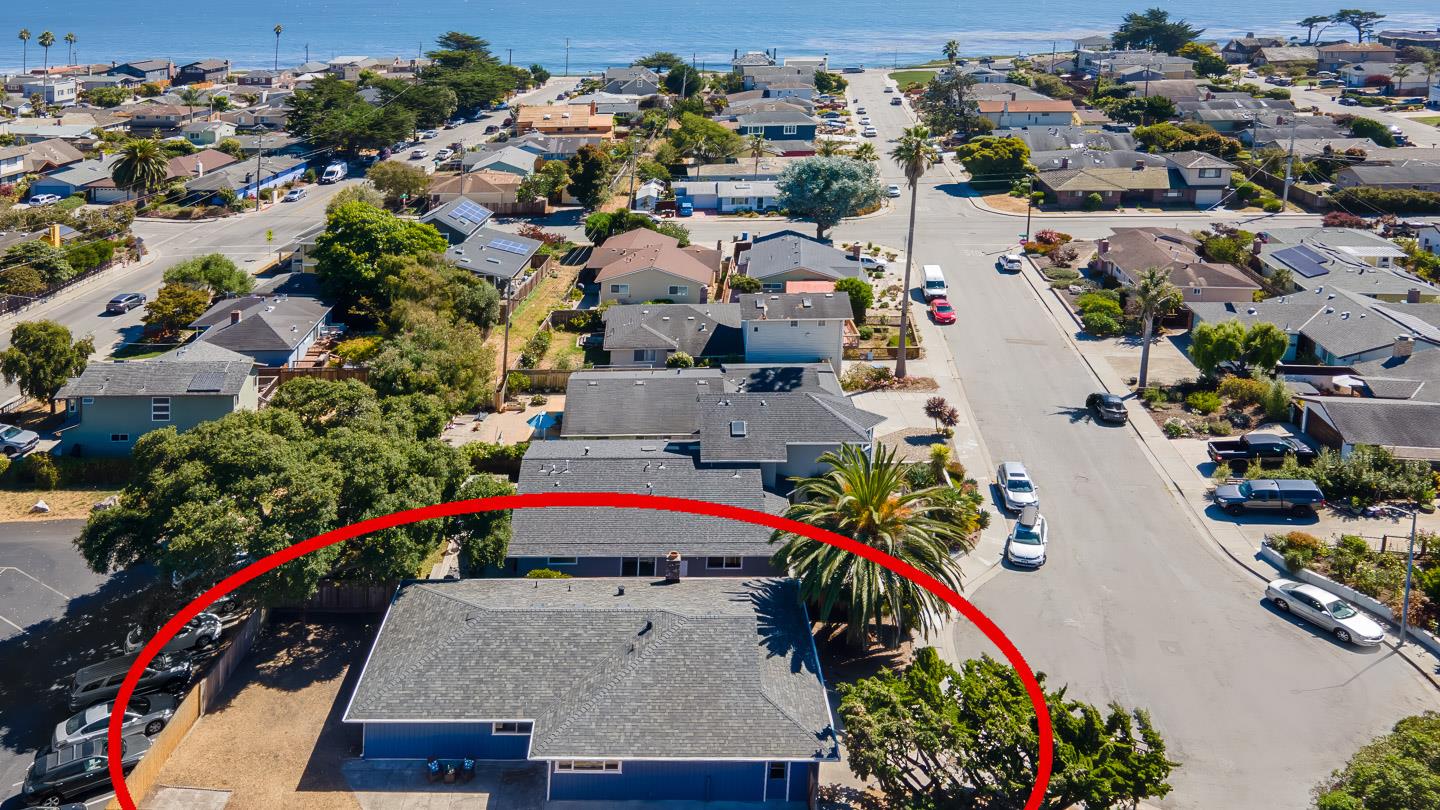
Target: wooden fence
545,379
197,704
284,375
347,597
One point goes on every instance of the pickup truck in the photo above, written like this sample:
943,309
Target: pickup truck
1267,448
1264,493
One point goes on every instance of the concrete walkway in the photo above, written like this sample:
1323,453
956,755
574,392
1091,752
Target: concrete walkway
401,785
178,798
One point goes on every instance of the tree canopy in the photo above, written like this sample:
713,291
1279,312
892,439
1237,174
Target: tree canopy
463,64
705,140
1399,771
993,160
176,306
934,737
333,114
1362,21
213,272
356,236
660,60
826,190
590,174
684,81
1207,61
1153,28
42,357
398,181
949,104
1214,343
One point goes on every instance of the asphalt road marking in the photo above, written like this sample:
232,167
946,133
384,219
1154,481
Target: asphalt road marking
22,573
12,624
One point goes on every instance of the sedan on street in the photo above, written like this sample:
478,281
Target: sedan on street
146,714
1016,487
419,154
294,195
1107,406
1320,607
124,302
1026,544
892,190
941,311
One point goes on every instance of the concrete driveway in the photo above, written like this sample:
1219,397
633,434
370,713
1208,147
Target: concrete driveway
401,785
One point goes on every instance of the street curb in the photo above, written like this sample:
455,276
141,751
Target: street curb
1038,214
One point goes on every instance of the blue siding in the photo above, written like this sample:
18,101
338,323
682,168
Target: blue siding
801,774
673,781
421,740
610,567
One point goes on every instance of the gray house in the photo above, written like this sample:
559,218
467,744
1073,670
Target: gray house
796,328
647,334
632,81
635,542
274,329
790,256
630,690
111,405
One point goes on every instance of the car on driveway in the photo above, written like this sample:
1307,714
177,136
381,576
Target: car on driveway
1297,495
1320,607
1017,489
444,154
941,311
124,302
44,199
1107,406
16,442
74,771
200,633
146,714
1026,544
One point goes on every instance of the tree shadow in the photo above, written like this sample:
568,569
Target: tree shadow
959,190
292,654
845,797
338,741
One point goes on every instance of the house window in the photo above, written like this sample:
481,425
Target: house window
509,729
119,437
644,355
789,129
72,406
794,323
777,770
619,289
679,291
637,566
1209,172
160,409
1172,194
723,563
587,766
822,323
561,561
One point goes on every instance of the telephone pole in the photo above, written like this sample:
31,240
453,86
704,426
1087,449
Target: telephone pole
1289,165
567,56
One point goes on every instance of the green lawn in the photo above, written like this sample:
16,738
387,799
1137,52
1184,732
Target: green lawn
905,78
1429,120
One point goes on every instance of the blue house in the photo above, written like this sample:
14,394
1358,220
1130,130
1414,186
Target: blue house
779,125
274,329
146,70
244,180
649,690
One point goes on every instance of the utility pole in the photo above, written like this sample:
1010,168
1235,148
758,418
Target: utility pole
1289,164
509,56
567,57
1409,569
259,150
505,351
307,52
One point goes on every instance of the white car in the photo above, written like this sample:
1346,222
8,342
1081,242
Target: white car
865,122
1318,606
1016,487
873,263
892,190
200,633
1010,263
44,199
1250,74
869,132
444,154
1026,544
294,195
889,89
418,154
430,133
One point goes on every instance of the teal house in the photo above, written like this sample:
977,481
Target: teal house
111,405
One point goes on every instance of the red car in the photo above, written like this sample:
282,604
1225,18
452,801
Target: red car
941,310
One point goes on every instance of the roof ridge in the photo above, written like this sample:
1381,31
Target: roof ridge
855,426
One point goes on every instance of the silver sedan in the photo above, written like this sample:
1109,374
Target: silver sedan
1318,606
146,714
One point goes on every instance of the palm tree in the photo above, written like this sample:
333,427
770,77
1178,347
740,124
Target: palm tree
867,499
1430,59
191,98
142,166
1398,75
829,147
279,29
757,149
1154,296
866,152
914,153
25,54
70,40
46,40
951,51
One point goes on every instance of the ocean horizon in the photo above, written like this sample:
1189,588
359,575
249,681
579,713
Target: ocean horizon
851,34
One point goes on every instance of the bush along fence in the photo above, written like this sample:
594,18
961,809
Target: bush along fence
15,303
197,704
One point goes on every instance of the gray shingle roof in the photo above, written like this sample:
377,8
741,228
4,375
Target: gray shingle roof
707,668
1422,365
478,254
785,251
640,468
699,330
760,427
762,118
643,402
160,378
1341,322
1387,423
1054,139
273,323
796,306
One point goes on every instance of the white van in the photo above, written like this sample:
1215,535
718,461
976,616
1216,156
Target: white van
935,282
334,173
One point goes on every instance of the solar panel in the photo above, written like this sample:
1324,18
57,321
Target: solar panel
509,246
206,382
468,211
1305,261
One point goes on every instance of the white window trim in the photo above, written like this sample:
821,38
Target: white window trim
619,289
790,129
679,289
568,766
496,732
155,404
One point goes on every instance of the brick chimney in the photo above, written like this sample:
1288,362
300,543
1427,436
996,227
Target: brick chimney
235,315
1255,245
1404,346
674,566
1104,246
855,251
1139,165
1412,295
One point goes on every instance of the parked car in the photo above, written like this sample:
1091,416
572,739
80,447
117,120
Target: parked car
444,154
935,286
1318,606
334,173
200,633
873,262
1017,490
859,110
419,154
454,122
941,312
896,101
892,190
491,129
1010,263
1250,74
294,195
146,714
73,771
1268,448
430,133
889,89
1026,544
15,442
1266,493
124,302
869,132
685,209
1414,100
44,199
1348,101
1107,406
168,672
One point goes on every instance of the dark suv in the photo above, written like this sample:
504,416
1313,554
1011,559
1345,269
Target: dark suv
168,672
71,771
1109,407
124,302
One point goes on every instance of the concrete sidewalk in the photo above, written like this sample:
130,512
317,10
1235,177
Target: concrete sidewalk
1229,536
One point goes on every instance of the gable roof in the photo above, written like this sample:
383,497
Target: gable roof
459,215
1017,105
482,181
639,402
785,251
1050,139
781,114
636,467
50,152
267,323
1337,320
770,422
1105,179
668,259
621,243
707,668
160,378
795,306
206,160
1389,423
1288,53
495,253
699,330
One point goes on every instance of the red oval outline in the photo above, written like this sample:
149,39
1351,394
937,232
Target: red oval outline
614,500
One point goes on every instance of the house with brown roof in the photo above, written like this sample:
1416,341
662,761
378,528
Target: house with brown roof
1128,252
485,186
36,158
643,265
1184,178
1286,56
1335,56
166,116
563,119
1240,50
1015,112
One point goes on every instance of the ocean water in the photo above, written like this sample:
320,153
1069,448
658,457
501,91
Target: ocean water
604,33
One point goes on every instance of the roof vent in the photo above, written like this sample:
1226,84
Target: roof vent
664,317
738,429
587,451
639,382
592,383
1251,311
689,317
806,303
1329,310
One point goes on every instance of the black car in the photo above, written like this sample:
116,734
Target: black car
73,771
124,302
1107,406
1296,495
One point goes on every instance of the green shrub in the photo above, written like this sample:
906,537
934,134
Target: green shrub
1276,401
1203,402
1175,428
1243,391
1298,548
1100,323
547,573
516,383
535,349
1153,396
1272,205
89,472
1219,428
867,332
538,399
498,459
1061,274
1107,300
680,360
39,471
1093,201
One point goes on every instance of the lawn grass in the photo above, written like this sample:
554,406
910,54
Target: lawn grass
1429,120
905,78
529,314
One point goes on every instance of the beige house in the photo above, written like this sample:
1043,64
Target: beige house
649,266
1128,252
485,186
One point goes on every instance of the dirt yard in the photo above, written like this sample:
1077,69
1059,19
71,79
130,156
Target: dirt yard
275,740
65,504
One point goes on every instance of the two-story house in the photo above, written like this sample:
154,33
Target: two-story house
277,79
795,327
563,119
779,125
207,133
166,117
1337,55
148,71
1014,112
632,81
57,92
206,71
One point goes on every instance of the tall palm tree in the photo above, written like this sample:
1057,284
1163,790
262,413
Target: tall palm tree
1429,59
829,147
70,40
142,166
867,499
866,152
191,98
46,40
951,51
25,53
914,154
1398,75
756,142
279,29
1154,296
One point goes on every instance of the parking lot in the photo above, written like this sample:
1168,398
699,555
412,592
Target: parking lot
55,617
